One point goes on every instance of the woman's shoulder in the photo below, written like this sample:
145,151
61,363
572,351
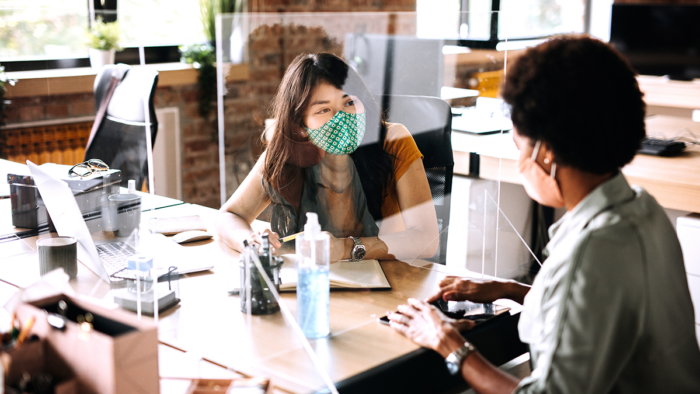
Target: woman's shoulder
399,140
396,132
400,144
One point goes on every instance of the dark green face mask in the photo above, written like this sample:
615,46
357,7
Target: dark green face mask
341,135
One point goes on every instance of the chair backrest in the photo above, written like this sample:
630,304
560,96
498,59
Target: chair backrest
120,140
429,119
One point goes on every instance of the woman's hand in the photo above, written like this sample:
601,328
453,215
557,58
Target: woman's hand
454,288
273,237
425,325
338,247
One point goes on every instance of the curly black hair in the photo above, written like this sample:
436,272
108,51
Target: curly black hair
581,97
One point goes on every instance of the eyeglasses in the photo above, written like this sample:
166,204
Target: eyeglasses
88,167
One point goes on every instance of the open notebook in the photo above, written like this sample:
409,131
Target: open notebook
365,274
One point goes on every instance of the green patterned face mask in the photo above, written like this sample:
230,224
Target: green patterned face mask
341,135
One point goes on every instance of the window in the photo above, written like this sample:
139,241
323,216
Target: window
539,18
52,29
516,19
177,22
49,33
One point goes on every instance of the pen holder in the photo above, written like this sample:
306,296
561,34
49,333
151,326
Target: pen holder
262,301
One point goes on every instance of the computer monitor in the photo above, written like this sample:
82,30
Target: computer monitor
397,65
658,39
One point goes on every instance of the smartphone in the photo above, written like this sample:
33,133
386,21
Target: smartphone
384,320
469,310
463,310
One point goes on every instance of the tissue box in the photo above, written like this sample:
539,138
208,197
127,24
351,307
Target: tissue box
118,356
28,209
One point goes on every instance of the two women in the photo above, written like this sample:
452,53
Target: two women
610,309
332,153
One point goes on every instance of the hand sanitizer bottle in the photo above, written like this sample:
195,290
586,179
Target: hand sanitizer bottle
313,251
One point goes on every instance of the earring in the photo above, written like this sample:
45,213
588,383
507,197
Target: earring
303,133
546,160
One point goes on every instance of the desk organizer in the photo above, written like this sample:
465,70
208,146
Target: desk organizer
118,355
36,358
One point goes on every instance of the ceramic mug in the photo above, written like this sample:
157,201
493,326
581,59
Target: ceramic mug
125,213
58,252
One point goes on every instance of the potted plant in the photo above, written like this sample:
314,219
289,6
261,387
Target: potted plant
103,41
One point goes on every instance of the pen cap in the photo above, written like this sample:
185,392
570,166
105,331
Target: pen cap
141,263
312,229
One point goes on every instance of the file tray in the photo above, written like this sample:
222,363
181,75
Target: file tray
119,355
28,209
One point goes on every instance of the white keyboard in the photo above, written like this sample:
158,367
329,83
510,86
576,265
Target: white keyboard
115,256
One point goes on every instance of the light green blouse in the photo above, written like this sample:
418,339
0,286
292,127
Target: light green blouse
610,310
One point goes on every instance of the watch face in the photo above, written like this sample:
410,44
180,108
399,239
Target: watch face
360,253
453,368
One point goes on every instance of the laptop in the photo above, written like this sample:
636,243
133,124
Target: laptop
109,259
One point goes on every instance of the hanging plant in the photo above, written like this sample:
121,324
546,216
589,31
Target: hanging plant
202,58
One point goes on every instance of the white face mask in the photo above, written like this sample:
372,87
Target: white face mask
539,186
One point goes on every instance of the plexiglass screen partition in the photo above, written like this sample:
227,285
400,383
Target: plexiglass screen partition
388,130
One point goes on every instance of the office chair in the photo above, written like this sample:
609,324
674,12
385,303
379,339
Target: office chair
119,136
429,120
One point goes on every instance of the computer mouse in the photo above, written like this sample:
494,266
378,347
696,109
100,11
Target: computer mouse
191,236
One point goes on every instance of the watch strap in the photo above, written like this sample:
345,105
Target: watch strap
455,359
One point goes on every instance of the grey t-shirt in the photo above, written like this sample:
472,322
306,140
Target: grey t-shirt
610,310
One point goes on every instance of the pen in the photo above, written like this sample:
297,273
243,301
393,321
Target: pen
290,237
25,331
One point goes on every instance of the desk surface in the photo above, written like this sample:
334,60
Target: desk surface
673,181
208,322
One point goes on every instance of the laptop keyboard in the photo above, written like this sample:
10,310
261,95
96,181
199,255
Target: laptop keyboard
115,256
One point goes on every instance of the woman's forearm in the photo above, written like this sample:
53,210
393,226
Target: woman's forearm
233,230
404,245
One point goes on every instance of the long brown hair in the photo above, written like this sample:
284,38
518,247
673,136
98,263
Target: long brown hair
374,165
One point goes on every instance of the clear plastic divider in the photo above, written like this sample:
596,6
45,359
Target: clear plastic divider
391,67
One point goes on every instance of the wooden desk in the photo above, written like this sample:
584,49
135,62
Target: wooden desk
673,181
208,322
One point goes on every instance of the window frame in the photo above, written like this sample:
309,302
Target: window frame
130,55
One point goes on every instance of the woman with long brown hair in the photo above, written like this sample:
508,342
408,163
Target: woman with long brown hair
331,152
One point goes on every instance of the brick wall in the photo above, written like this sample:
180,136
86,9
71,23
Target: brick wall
30,109
200,166
200,152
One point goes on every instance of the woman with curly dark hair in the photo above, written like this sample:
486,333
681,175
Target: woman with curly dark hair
610,309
